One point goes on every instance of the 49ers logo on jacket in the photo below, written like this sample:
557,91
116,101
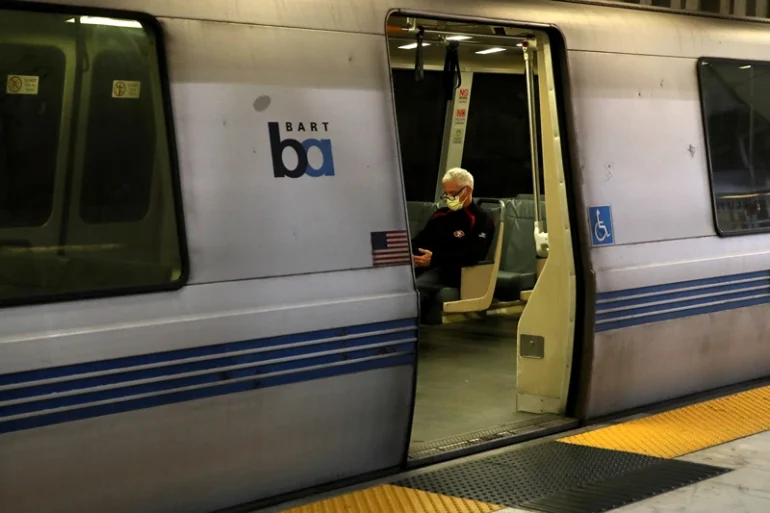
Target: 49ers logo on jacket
459,234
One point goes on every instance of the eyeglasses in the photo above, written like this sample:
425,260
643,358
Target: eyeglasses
447,196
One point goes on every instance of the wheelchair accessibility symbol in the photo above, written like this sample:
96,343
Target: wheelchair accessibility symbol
601,226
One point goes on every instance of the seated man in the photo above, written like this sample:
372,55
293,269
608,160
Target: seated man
456,236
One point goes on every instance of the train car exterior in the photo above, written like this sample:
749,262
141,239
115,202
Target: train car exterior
221,379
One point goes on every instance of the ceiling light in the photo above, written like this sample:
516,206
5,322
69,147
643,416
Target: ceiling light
95,20
491,50
458,38
520,44
412,46
747,66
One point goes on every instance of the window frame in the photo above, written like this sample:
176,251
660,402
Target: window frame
707,140
151,24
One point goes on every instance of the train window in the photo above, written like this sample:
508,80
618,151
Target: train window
89,196
29,131
120,141
736,113
421,111
713,6
497,143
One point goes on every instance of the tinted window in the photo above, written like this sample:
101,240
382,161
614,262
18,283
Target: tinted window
120,145
421,109
736,108
710,6
30,114
497,142
83,139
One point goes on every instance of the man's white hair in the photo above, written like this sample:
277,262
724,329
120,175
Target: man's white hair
459,175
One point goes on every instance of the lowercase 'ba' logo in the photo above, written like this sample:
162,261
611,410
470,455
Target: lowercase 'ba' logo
301,148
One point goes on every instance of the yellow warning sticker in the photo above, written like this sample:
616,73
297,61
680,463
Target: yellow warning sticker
22,84
126,89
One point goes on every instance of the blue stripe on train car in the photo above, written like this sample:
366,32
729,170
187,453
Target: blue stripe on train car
49,396
632,307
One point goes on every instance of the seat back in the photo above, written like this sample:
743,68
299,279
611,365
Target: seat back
495,209
419,213
519,254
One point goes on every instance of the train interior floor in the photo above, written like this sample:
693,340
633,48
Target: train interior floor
466,379
710,456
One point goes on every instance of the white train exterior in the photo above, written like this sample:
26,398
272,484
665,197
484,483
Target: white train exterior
276,357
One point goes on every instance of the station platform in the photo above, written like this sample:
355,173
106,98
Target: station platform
710,456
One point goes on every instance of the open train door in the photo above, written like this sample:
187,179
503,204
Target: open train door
546,331
495,361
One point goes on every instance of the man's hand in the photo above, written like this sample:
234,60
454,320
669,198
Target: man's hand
424,259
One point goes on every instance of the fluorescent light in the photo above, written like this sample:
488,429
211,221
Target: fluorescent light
458,38
491,50
747,66
412,46
95,20
519,44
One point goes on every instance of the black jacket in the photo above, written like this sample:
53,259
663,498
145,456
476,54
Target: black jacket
457,239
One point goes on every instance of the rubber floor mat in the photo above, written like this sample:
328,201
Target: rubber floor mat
518,476
554,476
625,489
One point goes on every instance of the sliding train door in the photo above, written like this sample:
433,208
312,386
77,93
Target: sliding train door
495,354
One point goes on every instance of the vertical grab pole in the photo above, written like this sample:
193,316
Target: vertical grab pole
541,239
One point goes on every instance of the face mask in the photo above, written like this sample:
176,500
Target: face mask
454,204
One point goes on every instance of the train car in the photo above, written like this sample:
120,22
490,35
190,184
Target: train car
207,295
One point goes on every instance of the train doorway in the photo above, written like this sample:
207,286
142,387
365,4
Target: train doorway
495,352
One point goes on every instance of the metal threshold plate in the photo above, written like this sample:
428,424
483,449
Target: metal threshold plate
486,439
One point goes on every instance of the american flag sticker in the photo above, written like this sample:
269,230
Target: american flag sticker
390,248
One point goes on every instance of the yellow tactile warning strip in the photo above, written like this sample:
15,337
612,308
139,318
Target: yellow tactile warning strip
688,429
395,499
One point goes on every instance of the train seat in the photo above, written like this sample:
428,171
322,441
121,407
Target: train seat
477,285
418,213
518,265
478,282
